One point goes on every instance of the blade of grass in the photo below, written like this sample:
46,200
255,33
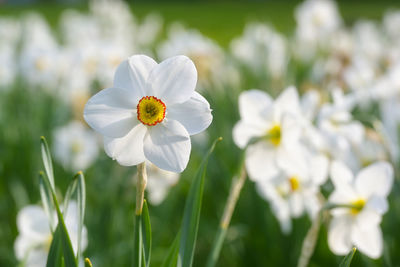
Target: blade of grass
55,253
48,204
172,257
347,260
81,209
146,233
68,252
138,242
46,157
70,191
191,215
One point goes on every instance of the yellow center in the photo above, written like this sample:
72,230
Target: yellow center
150,110
358,206
294,183
274,135
76,147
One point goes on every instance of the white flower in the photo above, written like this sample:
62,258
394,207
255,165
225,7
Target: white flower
75,146
359,225
295,189
274,124
158,183
150,112
33,242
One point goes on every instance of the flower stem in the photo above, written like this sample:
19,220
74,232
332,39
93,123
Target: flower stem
140,187
233,197
309,242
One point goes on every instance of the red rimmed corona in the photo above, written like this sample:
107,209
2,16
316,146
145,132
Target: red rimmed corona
150,110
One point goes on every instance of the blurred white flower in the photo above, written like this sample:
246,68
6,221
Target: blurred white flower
262,50
296,188
33,242
158,183
390,116
275,125
75,146
150,112
8,70
359,225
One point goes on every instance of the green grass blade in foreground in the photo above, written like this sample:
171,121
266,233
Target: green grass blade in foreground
70,192
45,194
55,253
172,258
138,242
191,215
146,233
81,190
217,246
347,260
68,252
46,157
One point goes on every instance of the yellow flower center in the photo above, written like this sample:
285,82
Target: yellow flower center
358,206
150,110
274,135
294,183
76,147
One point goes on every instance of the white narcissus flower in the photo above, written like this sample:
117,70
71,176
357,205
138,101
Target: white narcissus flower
295,189
275,125
366,192
150,112
75,146
33,242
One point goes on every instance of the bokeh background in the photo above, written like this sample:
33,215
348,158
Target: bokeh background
254,238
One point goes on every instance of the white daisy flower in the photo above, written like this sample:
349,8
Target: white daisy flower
75,146
150,112
366,192
276,126
33,242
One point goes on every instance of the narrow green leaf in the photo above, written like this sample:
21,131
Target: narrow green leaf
46,157
68,252
218,242
138,242
54,257
68,195
45,194
191,215
172,257
88,263
146,233
81,209
347,260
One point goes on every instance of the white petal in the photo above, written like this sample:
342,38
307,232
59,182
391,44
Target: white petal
288,101
111,112
167,145
33,223
253,104
132,74
243,132
194,114
127,150
319,169
260,161
376,179
368,218
368,240
341,176
339,235
173,80
378,204
296,205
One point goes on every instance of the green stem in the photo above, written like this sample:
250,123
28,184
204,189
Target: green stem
140,187
233,197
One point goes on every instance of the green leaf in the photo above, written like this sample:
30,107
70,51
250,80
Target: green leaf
68,252
191,215
172,258
88,263
138,242
146,233
347,260
68,195
46,157
45,194
54,257
81,209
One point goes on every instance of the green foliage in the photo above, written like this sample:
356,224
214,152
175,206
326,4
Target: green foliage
349,257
